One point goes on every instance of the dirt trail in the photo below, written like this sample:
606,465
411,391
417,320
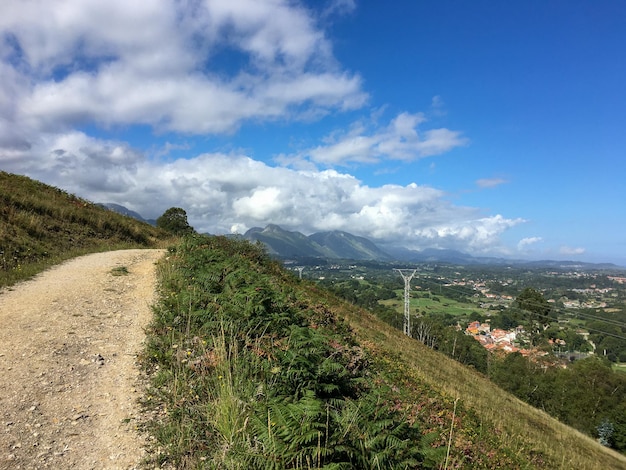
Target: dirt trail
69,341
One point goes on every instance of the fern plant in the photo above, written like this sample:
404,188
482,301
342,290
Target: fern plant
255,375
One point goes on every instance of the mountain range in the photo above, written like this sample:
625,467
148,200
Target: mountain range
337,244
343,245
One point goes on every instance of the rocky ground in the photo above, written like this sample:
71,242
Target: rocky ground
69,379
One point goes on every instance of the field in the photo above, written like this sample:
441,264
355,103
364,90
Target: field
433,304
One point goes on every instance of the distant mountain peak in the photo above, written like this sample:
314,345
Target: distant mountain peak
125,211
334,244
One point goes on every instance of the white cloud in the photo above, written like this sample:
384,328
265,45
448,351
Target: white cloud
525,242
77,162
437,106
399,140
571,251
231,192
477,235
158,63
340,7
261,204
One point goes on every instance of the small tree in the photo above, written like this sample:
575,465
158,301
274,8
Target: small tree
605,432
174,220
536,307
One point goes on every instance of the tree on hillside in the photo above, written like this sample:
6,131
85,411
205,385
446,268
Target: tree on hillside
174,220
536,308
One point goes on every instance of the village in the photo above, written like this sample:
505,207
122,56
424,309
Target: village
510,341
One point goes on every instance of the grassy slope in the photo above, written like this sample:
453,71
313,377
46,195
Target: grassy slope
491,428
214,285
521,427
41,225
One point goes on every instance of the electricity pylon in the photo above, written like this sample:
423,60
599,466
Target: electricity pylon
299,269
407,297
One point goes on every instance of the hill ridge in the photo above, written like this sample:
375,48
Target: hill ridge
41,225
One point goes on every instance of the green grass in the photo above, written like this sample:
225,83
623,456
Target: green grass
432,306
620,367
41,226
120,271
248,369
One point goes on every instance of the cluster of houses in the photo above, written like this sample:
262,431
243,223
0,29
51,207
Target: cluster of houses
505,341
496,339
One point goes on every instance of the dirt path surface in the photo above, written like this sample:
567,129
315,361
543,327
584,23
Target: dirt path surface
69,341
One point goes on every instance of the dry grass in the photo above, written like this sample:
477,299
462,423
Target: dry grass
522,427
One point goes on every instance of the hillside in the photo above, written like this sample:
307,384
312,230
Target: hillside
348,246
41,225
285,243
253,368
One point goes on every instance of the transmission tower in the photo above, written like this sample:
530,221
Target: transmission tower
407,275
299,269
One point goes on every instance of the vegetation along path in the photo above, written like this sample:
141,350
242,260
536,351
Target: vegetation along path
69,341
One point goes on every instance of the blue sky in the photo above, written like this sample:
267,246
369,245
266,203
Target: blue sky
495,128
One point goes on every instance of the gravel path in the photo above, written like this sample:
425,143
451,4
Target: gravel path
69,341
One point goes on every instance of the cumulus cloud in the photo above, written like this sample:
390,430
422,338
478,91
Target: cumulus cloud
232,192
526,242
478,235
401,139
78,162
260,205
160,63
226,192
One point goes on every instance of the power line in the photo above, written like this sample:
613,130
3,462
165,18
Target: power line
608,321
593,329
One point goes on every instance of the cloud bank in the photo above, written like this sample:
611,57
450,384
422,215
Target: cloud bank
572,251
226,192
75,73
161,63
